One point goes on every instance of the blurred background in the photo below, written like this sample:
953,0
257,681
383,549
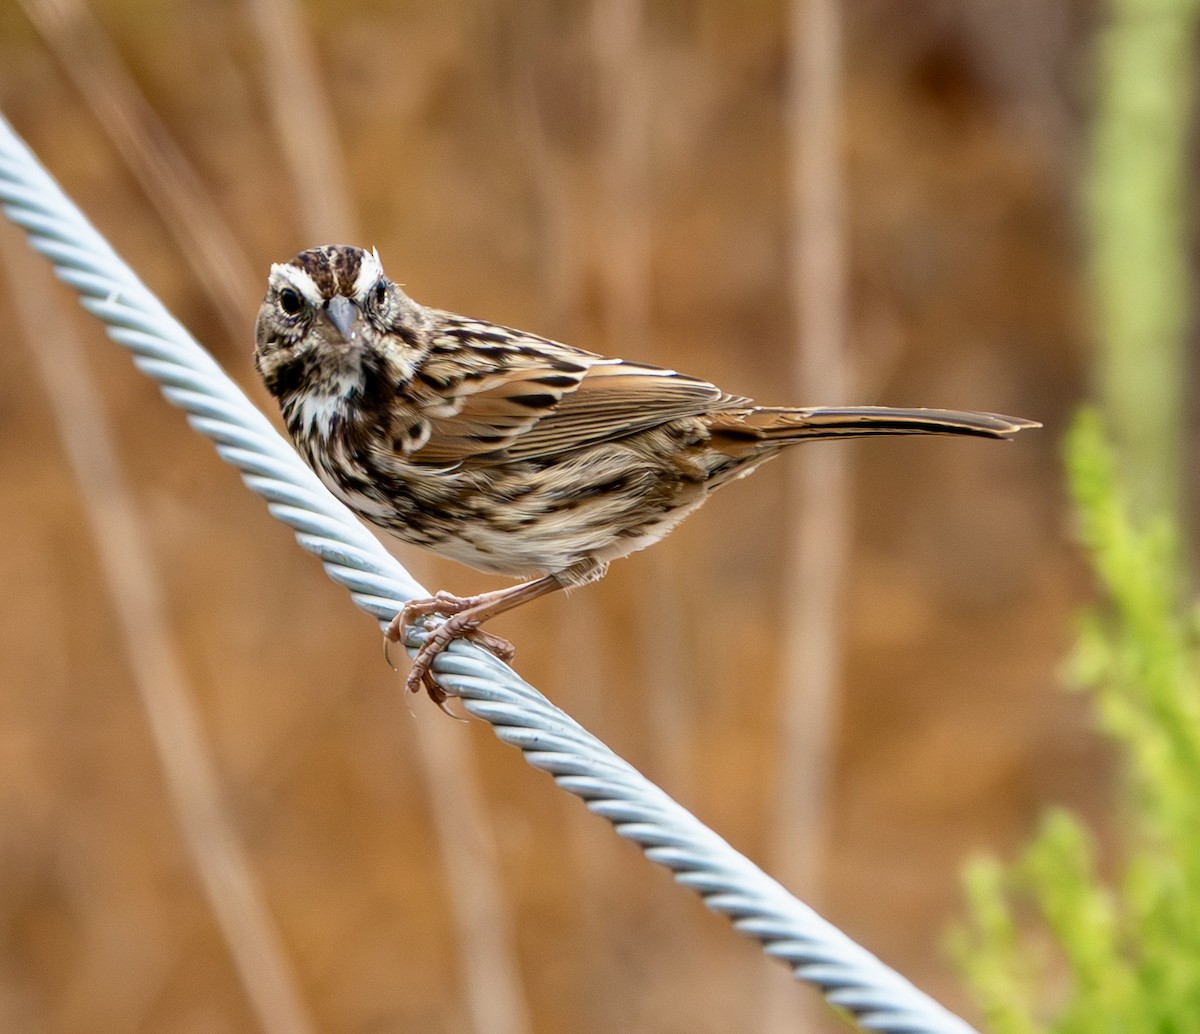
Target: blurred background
848,665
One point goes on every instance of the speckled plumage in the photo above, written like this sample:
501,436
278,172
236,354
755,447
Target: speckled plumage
506,451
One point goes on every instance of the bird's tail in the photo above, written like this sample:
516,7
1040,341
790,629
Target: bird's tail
784,426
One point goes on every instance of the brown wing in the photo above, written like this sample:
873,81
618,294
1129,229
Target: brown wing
615,400
511,396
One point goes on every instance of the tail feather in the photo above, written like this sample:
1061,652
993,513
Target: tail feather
784,425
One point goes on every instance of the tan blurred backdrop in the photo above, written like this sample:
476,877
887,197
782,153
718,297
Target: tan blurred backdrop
485,148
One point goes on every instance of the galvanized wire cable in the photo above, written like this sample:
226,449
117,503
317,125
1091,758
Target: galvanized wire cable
849,976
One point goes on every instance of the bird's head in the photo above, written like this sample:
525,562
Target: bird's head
323,311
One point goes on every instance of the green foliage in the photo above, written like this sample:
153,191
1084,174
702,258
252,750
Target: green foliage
1137,189
1095,958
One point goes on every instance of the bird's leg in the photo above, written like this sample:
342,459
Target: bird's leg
447,604
464,615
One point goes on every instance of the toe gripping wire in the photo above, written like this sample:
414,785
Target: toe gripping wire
850,977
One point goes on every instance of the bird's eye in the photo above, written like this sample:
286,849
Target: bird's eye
381,292
289,301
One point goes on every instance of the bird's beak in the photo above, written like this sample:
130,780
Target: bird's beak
343,314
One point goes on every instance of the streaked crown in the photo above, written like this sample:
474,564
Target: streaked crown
330,270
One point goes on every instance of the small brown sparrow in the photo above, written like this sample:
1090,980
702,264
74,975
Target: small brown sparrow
506,451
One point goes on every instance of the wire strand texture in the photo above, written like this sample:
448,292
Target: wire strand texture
849,976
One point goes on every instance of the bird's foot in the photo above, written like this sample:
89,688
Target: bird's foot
463,615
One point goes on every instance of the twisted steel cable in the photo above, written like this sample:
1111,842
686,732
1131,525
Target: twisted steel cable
849,976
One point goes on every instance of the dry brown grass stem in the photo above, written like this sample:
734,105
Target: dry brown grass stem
303,118
558,258
126,558
819,532
168,179
624,216
491,977
478,895
625,236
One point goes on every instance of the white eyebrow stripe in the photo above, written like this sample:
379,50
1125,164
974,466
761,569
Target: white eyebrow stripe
296,277
370,270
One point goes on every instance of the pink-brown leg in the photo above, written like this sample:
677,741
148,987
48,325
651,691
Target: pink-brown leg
447,604
464,615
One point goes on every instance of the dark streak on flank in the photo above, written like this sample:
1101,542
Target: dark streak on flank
556,380
431,380
542,400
